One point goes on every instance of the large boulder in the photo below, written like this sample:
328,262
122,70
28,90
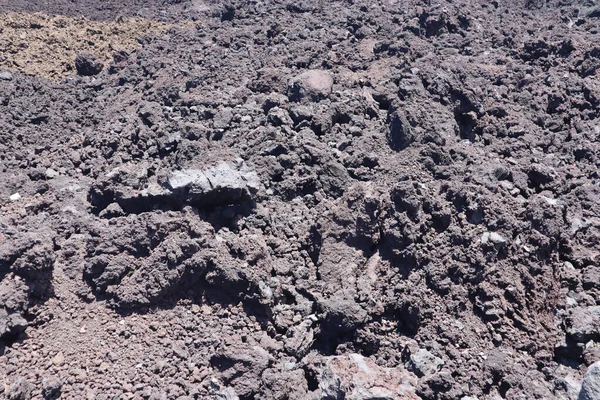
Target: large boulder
590,388
354,377
137,260
423,362
21,389
87,64
312,85
399,134
241,367
218,185
583,324
11,324
135,190
26,266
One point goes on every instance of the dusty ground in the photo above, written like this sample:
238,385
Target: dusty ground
314,200
43,45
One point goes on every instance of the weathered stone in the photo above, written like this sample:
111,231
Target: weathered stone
591,277
354,377
422,363
301,113
50,173
540,175
20,390
51,388
590,388
495,238
227,394
290,385
241,367
113,210
87,64
11,324
583,324
218,185
6,76
313,85
299,339
279,117
342,314
400,134
223,118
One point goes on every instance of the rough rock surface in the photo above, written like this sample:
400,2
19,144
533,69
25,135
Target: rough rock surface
312,85
87,64
355,377
300,200
48,45
590,388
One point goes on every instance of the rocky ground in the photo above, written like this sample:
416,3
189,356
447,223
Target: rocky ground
43,45
300,200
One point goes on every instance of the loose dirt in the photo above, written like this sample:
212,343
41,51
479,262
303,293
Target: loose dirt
43,45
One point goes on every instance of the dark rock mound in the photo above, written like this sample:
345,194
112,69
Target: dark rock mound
87,64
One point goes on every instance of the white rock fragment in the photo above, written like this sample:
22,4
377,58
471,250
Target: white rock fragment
265,291
50,173
485,238
493,237
552,202
497,238
578,224
181,179
15,197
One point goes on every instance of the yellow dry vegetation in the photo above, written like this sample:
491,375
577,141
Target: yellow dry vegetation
45,45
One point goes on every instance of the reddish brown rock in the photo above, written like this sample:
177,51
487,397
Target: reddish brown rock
354,377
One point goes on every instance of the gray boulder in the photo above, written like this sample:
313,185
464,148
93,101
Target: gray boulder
11,324
583,323
6,76
20,390
299,339
341,314
131,189
590,388
241,366
312,85
223,118
51,388
423,363
219,185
